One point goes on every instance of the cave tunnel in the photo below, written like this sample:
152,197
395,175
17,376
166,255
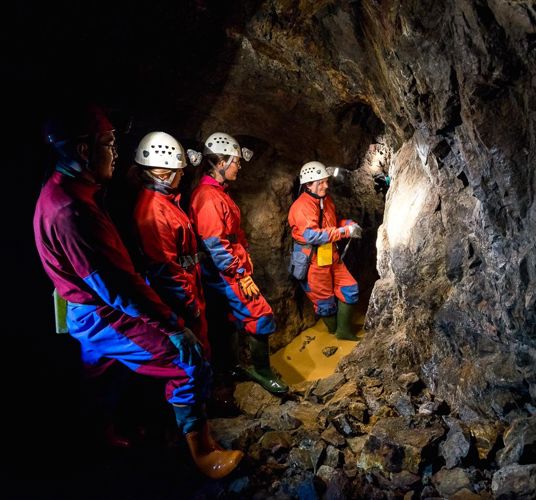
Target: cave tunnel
437,399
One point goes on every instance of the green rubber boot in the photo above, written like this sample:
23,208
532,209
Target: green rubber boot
330,322
345,329
233,366
261,371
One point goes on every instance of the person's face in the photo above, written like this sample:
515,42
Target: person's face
320,187
166,173
104,157
232,171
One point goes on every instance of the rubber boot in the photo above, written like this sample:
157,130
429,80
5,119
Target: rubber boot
330,322
208,441
234,368
213,463
345,329
261,371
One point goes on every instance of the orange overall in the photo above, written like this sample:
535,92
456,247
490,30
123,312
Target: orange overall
327,282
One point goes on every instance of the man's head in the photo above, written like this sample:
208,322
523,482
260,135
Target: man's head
315,177
84,139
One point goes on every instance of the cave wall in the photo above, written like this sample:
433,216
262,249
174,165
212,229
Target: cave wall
451,85
456,251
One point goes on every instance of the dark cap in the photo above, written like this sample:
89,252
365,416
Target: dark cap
77,122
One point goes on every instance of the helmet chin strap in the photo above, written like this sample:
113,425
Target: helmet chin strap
164,182
222,171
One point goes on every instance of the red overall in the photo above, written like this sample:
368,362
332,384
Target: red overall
216,219
323,283
169,248
112,312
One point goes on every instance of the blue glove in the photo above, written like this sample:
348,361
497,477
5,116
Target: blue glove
189,347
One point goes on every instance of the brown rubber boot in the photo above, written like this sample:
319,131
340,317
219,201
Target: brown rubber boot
215,464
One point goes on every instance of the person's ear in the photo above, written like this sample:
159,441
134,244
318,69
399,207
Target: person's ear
82,149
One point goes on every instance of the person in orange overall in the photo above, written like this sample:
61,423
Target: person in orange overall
169,249
227,274
315,227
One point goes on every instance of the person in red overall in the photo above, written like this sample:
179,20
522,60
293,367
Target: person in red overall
167,240
315,227
227,274
111,310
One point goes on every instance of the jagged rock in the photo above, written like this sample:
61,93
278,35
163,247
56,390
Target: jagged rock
325,472
333,456
300,458
485,433
307,454
307,413
393,445
329,351
302,388
410,382
338,487
276,440
358,411
457,444
279,417
519,443
236,432
356,444
252,399
515,481
465,494
404,480
402,403
345,425
449,481
383,411
297,484
344,393
329,385
331,436
435,407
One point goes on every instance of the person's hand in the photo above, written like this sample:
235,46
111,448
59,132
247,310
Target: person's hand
355,231
250,289
188,345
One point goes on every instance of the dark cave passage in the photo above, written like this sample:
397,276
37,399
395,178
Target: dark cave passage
437,399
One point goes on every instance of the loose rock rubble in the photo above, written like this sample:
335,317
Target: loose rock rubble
340,438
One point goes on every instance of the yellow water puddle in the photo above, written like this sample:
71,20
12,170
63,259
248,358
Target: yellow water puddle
303,359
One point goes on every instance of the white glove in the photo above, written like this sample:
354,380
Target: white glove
355,231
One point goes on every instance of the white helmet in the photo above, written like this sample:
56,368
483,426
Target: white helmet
225,144
160,150
313,171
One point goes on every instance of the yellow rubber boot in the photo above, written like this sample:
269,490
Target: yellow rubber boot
213,463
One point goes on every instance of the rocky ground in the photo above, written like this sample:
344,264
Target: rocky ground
345,438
